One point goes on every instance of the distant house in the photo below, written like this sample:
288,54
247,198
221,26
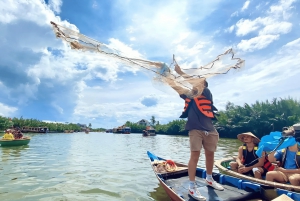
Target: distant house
82,126
143,122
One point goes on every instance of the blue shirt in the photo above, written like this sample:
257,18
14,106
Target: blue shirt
290,162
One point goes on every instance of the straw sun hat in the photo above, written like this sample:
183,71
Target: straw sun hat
256,140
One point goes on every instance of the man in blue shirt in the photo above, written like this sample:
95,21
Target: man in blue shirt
289,159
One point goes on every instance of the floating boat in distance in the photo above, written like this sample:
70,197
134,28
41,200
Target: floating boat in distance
17,142
109,131
175,184
150,131
27,129
122,129
69,131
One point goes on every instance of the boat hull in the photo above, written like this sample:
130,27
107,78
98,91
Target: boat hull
222,165
176,184
9,143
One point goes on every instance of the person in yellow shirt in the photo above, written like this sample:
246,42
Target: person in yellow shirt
8,135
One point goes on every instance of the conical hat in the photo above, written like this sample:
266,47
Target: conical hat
256,140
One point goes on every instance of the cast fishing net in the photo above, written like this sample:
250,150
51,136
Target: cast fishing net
185,81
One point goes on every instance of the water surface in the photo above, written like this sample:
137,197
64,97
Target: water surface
95,166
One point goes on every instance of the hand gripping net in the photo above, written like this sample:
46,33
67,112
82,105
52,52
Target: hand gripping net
185,81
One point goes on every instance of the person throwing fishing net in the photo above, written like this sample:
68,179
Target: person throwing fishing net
199,111
248,162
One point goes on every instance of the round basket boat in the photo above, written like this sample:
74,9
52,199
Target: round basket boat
223,165
18,142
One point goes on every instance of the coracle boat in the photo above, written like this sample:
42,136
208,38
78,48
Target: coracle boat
175,182
17,142
223,166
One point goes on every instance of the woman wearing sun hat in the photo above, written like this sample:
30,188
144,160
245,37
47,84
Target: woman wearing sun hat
247,161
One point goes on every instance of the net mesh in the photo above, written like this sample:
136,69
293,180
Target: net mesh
185,81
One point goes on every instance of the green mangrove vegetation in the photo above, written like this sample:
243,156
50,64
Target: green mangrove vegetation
259,118
6,122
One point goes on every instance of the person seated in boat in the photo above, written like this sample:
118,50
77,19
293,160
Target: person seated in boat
288,160
18,135
248,162
15,133
8,135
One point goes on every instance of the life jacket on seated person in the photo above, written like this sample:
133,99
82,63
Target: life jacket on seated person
203,104
297,158
268,166
245,151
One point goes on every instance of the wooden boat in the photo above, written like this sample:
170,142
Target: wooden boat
223,165
122,129
145,133
18,142
176,183
149,131
26,129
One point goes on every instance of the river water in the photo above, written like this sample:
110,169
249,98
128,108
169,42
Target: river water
94,166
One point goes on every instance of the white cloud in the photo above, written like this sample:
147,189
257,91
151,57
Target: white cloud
245,6
234,14
273,76
276,28
87,87
269,28
257,43
230,29
245,26
55,5
7,111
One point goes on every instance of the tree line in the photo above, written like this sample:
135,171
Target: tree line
259,118
6,122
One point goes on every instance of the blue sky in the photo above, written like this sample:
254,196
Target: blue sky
42,78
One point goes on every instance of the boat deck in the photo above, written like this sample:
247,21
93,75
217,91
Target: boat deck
180,184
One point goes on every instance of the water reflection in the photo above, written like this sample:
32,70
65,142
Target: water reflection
159,194
12,152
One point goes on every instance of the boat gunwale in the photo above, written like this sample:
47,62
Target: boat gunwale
224,170
15,142
14,139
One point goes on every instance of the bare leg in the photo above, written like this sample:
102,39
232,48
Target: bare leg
295,179
275,176
233,166
193,164
209,158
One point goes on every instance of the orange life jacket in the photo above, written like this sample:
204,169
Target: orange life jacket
203,104
268,165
